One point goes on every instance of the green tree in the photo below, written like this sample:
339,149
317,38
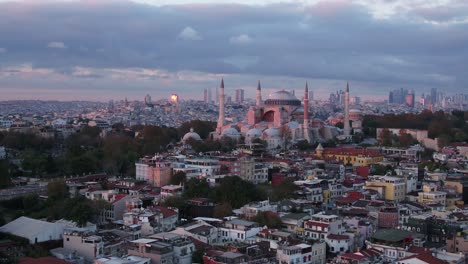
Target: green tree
269,219
222,210
178,178
57,190
284,190
197,188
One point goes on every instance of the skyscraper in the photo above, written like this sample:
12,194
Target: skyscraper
239,96
409,100
205,96
434,96
210,99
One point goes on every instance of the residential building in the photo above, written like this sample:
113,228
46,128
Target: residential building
238,230
84,242
302,253
390,188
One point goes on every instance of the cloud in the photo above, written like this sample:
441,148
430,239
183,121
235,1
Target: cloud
189,33
121,43
56,45
241,39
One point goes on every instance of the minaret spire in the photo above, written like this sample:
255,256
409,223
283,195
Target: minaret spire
258,99
346,127
220,124
306,114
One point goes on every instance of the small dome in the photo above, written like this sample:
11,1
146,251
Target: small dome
272,133
231,133
254,133
355,111
191,135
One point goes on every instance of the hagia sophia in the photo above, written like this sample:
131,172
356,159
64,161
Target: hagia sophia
279,120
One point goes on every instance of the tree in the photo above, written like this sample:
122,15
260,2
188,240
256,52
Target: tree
178,178
57,190
237,192
269,219
197,188
79,210
222,210
284,190
386,137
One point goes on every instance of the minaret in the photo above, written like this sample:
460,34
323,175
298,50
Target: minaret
220,125
347,129
306,114
258,98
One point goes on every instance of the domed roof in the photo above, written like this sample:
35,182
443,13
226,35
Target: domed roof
191,135
355,111
254,133
282,98
272,133
231,132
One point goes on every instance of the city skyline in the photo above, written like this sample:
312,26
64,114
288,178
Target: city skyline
102,50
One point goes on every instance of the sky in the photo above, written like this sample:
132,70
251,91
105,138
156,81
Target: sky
112,49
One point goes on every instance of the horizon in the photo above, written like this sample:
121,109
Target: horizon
107,50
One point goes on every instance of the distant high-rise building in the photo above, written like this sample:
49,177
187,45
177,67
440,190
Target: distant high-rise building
228,99
210,98
239,96
205,96
217,95
409,100
355,100
397,96
311,95
147,99
434,95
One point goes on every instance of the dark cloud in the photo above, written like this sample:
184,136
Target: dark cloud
334,40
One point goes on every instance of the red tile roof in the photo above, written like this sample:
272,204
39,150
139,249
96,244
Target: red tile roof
314,223
119,197
165,211
352,256
426,258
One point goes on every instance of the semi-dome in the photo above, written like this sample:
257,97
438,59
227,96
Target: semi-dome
272,133
231,133
282,98
253,133
191,135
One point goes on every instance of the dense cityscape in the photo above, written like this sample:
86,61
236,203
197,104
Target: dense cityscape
260,131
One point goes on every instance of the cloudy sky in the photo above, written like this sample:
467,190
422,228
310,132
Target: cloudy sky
105,49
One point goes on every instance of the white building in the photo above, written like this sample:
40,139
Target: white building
84,242
302,253
339,243
238,230
36,231
208,167
321,225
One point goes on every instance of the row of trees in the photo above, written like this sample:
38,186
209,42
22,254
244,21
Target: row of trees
231,192
58,205
87,152
448,126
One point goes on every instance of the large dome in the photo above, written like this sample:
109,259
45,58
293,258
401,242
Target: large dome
191,135
282,98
